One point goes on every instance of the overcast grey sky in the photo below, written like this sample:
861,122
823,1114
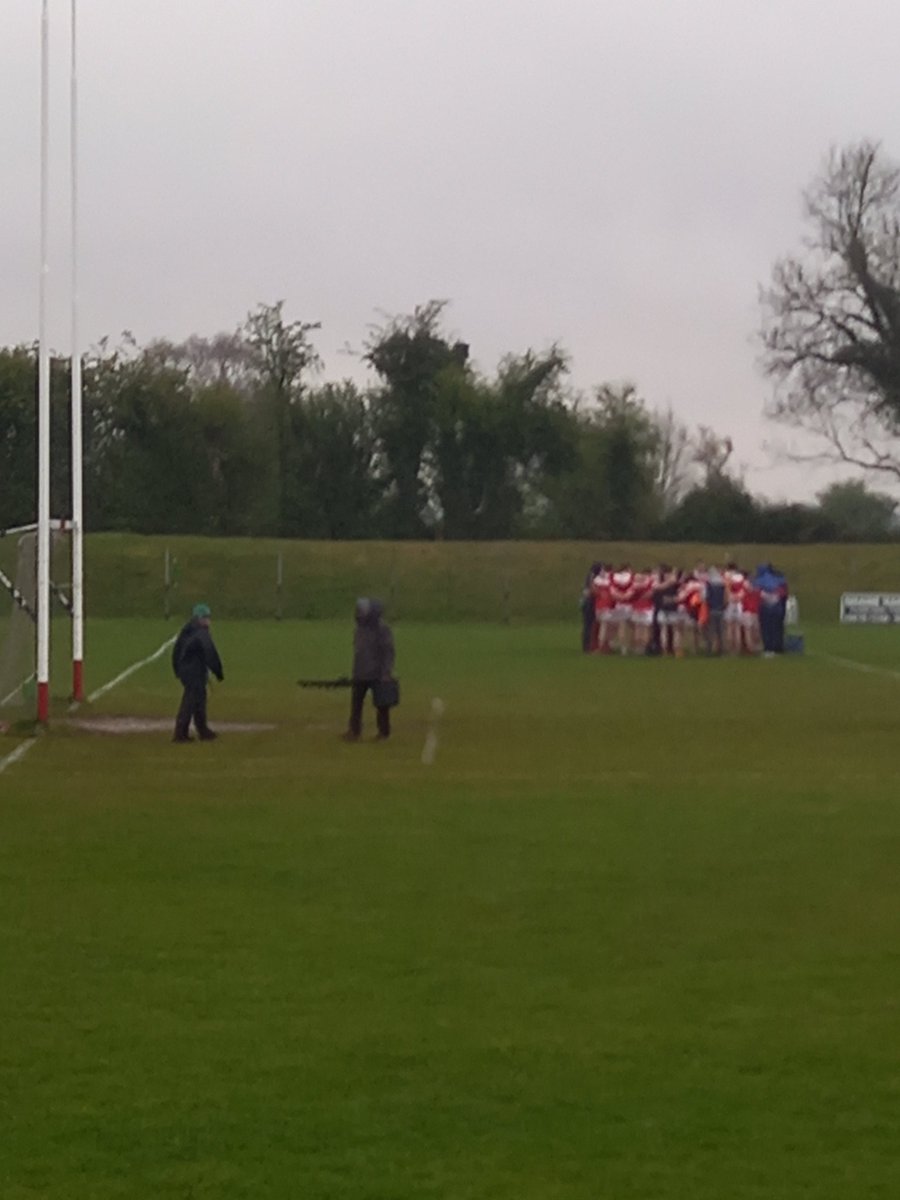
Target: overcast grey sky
617,175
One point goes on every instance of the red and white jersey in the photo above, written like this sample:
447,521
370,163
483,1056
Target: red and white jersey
750,601
736,583
642,593
691,596
622,586
693,591
602,589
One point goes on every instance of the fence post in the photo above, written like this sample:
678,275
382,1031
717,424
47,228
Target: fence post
279,585
167,584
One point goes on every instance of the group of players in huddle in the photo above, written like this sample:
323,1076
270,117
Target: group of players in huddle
668,610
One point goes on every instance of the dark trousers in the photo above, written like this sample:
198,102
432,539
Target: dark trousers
357,696
714,631
661,637
588,621
192,707
771,627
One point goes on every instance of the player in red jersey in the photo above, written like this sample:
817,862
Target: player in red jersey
750,619
601,587
736,587
642,611
622,587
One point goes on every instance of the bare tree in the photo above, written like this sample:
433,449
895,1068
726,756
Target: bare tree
831,324
711,453
674,459
280,352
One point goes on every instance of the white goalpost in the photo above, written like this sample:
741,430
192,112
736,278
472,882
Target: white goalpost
77,436
42,666
43,598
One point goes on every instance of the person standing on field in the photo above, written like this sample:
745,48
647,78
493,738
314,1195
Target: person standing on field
716,600
373,666
773,592
588,616
194,657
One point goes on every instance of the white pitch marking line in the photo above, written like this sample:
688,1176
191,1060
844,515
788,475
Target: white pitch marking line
8,699
857,666
429,750
17,755
21,750
107,687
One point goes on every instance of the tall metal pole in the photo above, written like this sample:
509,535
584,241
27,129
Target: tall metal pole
77,437
43,564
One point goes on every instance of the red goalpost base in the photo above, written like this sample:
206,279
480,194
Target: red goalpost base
78,681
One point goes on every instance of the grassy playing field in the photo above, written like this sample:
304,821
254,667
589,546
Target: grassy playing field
633,934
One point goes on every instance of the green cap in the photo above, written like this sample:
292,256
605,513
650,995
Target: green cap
201,610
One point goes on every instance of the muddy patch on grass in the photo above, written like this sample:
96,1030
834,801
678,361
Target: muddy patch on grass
123,725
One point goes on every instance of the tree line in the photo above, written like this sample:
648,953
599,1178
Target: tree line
236,434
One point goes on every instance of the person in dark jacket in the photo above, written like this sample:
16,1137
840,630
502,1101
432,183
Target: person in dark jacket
588,616
373,663
194,656
773,593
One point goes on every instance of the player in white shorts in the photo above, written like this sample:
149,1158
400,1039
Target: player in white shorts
735,588
642,611
666,585
750,620
621,587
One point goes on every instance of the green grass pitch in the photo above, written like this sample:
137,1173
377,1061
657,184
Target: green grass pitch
634,934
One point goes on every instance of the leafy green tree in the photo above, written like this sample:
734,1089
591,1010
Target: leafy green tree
18,384
720,511
233,454
631,441
466,476
793,524
18,436
857,514
492,444
610,492
408,354
280,355
146,468
332,491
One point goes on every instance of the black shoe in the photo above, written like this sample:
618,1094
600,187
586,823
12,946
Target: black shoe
207,735
186,737
349,736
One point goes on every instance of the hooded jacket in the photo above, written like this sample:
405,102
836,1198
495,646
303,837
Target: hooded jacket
771,584
194,654
373,643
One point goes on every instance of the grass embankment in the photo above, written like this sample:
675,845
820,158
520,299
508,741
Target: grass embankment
633,935
517,581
